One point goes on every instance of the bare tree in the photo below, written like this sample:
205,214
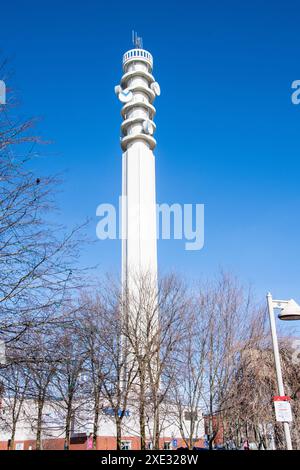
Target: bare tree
37,258
188,389
162,348
226,310
38,271
152,329
121,369
140,330
96,343
40,366
251,414
219,323
67,384
14,386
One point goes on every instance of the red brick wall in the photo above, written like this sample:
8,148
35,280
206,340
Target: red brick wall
103,443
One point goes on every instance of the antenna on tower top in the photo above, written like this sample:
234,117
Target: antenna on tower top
136,40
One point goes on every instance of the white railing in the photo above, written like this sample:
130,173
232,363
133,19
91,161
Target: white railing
138,54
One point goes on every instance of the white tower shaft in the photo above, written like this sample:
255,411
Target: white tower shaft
137,91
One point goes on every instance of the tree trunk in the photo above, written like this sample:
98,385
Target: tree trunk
38,445
156,432
142,426
119,433
68,430
211,427
190,441
12,438
95,426
142,418
192,429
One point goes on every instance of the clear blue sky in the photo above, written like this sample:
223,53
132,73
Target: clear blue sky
228,135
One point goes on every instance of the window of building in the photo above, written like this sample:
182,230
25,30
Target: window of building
125,445
167,445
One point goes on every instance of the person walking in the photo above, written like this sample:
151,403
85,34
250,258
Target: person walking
246,445
89,444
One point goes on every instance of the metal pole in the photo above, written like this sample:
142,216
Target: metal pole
278,367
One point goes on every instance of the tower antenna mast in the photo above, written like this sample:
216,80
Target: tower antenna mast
137,40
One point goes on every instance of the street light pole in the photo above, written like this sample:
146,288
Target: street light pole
287,431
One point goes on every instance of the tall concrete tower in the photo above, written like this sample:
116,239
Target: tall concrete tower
137,92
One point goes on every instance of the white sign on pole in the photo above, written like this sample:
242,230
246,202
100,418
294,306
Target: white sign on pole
283,411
